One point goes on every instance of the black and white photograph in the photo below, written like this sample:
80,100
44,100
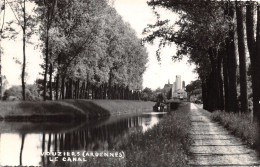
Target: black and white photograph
129,83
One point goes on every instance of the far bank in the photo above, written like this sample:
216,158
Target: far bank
69,110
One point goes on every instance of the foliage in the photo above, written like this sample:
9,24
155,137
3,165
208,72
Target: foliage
90,42
169,94
15,93
160,97
204,32
194,85
147,94
25,21
202,26
240,124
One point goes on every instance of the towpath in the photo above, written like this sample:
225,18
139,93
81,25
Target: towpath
215,146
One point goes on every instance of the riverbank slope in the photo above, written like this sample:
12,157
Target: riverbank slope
166,144
67,110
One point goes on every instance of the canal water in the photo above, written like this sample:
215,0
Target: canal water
24,143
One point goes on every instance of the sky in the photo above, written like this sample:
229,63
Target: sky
138,14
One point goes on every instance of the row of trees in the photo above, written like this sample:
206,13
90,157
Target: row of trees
86,46
212,34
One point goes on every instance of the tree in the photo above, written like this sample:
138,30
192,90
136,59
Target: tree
2,8
146,94
254,52
93,51
15,93
242,57
46,11
201,32
24,20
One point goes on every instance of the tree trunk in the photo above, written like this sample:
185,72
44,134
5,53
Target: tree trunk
93,91
46,65
214,98
50,80
204,93
226,83
232,66
1,87
87,91
24,56
253,47
256,68
70,88
67,89
220,80
242,58
57,78
57,86
78,89
62,87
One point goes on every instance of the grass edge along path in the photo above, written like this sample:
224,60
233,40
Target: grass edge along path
240,125
166,144
68,110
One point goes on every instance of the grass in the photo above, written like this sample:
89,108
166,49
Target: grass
239,124
166,144
124,106
39,111
68,109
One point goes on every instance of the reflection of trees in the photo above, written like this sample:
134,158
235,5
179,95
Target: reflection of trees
103,137
21,150
43,148
49,142
98,138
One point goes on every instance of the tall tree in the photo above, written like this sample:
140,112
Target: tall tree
257,68
2,8
242,57
24,20
254,52
232,105
202,30
46,11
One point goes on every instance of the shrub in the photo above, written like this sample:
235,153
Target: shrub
240,124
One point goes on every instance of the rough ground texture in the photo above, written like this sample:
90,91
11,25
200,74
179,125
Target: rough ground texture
215,146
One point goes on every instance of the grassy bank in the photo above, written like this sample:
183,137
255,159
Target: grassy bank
68,109
166,144
239,124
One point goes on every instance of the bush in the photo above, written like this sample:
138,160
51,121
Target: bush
240,124
15,93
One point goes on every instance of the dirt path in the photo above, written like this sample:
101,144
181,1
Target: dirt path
215,146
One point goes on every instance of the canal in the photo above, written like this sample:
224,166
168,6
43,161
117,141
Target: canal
24,143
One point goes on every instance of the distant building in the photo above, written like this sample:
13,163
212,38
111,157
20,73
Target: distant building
178,89
178,82
167,88
180,94
174,87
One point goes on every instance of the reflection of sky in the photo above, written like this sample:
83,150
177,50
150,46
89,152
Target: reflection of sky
10,145
147,124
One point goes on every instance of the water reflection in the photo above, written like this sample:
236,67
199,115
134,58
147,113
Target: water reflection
19,148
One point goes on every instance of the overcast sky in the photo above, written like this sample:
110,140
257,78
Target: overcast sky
138,14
